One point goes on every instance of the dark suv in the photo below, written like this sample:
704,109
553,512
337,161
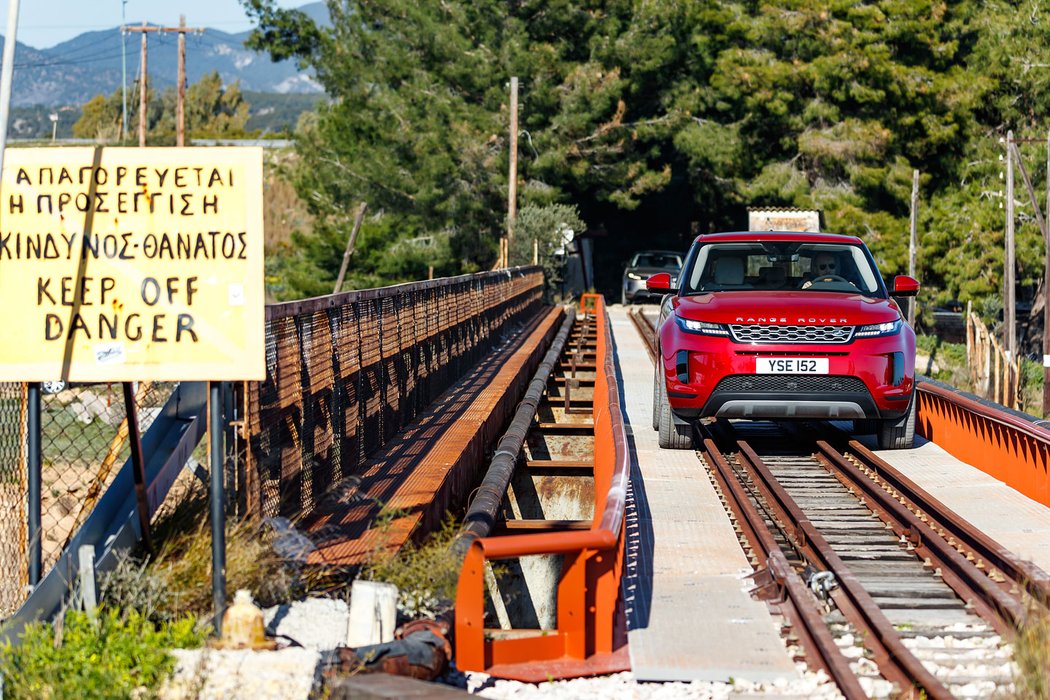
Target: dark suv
644,265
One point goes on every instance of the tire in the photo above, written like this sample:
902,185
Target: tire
623,297
670,435
865,427
898,433
658,395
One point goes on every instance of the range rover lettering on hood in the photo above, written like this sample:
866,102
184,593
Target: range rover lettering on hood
783,319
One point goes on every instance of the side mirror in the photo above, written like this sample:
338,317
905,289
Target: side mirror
660,282
904,286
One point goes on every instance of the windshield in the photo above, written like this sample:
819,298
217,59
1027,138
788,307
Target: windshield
783,265
666,261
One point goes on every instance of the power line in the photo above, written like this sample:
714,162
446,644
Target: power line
180,95
80,60
69,52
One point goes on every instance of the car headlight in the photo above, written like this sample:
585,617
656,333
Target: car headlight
876,330
634,276
701,327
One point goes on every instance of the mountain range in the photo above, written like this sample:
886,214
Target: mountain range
73,72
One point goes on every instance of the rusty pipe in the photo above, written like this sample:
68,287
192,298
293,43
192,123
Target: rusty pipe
482,512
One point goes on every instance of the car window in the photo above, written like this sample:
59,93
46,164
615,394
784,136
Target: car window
668,262
783,265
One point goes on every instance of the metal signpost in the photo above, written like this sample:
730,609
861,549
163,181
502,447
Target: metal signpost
133,264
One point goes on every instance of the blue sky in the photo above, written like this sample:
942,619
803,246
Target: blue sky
44,23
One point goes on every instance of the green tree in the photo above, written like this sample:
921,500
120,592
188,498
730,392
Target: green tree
701,106
212,111
100,118
544,230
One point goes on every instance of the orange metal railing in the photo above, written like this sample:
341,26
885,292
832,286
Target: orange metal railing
1005,445
589,584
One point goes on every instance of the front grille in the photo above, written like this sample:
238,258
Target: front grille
791,384
757,333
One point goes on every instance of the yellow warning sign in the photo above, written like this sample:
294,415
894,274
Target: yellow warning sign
123,264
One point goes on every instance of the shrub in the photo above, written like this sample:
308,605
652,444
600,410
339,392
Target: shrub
949,357
1032,655
111,656
178,580
547,226
425,574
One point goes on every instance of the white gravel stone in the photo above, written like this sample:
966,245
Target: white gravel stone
211,674
623,685
319,624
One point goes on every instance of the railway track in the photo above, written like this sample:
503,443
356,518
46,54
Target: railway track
880,585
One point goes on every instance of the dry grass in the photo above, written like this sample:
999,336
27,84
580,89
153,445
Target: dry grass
1032,656
426,574
178,580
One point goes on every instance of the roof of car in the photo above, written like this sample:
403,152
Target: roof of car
805,236
658,252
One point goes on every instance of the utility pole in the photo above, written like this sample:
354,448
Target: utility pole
180,108
512,184
180,101
1009,313
142,89
913,242
1046,291
124,68
7,74
1040,221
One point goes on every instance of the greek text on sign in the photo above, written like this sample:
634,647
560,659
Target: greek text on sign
122,264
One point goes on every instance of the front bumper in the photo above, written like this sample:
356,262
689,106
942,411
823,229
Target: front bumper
715,377
635,289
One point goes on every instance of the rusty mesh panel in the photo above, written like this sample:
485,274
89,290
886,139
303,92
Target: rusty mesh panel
346,373
276,446
346,413
371,388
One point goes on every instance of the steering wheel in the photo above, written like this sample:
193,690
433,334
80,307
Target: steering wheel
825,278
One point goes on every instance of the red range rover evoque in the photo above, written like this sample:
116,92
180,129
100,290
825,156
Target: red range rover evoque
781,326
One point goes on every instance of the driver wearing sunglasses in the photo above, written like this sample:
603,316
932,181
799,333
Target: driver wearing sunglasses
823,264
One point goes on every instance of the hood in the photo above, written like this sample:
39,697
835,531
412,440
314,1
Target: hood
787,308
648,272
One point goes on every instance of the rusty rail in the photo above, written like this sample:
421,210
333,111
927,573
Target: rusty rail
895,661
589,585
970,583
983,548
645,330
797,604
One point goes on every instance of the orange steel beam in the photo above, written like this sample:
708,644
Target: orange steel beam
589,586
1002,444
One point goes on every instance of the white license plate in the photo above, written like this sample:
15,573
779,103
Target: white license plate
791,365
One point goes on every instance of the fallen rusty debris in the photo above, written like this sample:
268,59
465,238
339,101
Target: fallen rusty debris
420,650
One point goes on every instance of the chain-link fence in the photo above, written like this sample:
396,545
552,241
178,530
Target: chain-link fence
345,373
12,496
83,443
